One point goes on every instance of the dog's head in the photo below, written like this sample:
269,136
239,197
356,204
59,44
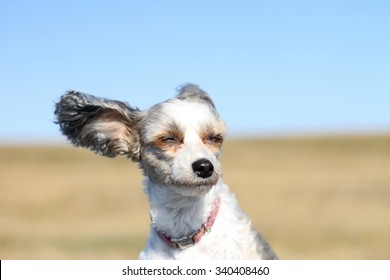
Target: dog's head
177,142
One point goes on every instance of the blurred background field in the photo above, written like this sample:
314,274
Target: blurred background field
311,197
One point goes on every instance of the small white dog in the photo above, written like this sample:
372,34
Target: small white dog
177,144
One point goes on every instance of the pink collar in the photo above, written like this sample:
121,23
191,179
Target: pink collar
187,241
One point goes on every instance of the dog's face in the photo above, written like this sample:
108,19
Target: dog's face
177,142
182,142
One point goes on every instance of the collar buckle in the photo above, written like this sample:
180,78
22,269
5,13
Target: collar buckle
184,242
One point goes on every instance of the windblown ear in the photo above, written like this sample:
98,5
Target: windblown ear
107,127
195,94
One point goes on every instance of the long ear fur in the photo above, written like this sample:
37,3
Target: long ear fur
107,127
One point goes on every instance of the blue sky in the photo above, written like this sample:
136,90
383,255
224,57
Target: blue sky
272,67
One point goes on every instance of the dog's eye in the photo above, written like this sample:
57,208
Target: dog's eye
169,139
215,139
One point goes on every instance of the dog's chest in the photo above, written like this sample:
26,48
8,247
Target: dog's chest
226,240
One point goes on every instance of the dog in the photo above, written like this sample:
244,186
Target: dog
177,144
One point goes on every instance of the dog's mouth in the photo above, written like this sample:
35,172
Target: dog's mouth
192,188
195,182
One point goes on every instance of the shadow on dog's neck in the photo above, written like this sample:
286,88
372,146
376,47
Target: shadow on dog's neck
175,213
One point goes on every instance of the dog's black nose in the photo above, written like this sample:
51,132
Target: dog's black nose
203,168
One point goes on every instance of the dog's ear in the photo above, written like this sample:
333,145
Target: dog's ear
107,127
195,94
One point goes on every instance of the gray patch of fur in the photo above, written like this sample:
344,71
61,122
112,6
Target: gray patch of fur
264,248
195,94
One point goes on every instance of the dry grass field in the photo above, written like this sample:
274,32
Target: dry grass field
312,198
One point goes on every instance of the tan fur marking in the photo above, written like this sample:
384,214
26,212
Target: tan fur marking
170,140
214,136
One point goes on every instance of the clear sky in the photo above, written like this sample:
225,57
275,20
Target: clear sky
272,67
